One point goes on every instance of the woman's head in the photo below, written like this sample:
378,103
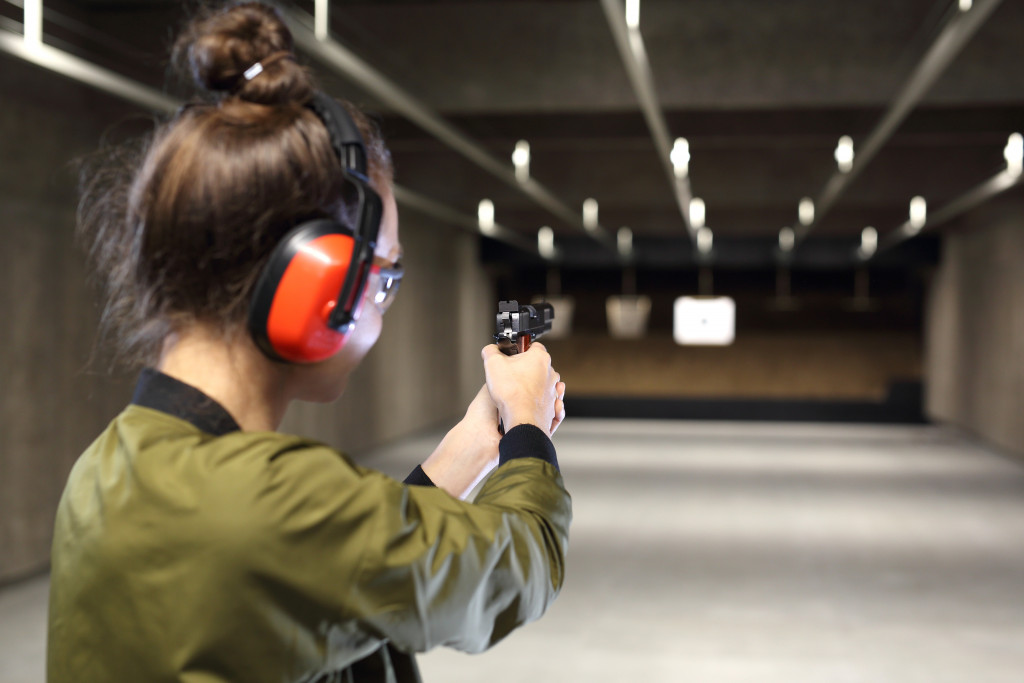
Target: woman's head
182,236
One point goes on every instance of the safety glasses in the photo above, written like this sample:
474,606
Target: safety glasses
383,283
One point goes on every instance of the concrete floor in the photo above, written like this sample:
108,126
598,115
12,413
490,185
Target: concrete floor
747,552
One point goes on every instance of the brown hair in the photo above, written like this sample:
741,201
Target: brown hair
180,233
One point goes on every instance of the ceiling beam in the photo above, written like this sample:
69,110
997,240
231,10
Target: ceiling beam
78,69
996,185
444,213
343,61
958,30
148,98
634,57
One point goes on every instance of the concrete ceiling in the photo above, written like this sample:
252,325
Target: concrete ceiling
761,89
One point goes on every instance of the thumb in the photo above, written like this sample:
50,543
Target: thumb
489,351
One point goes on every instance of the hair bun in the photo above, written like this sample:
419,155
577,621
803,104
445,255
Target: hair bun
218,47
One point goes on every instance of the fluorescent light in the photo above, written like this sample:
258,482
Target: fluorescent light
965,5
590,214
1014,155
633,13
705,240
485,216
844,154
321,19
33,22
521,160
546,242
787,239
697,212
680,157
625,240
868,242
806,211
918,213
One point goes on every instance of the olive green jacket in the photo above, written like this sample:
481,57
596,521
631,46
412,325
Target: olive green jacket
208,554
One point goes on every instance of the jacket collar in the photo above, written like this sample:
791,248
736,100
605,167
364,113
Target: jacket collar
164,393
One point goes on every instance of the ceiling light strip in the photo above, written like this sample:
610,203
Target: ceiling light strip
954,35
444,213
634,57
78,69
346,63
149,98
997,184
33,24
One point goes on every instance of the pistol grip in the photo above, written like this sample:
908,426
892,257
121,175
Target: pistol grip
507,347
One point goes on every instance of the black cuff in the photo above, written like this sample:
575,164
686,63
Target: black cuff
526,441
418,478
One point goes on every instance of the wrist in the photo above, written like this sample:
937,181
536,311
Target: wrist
527,441
511,424
464,455
519,413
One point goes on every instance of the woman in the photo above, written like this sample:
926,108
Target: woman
193,542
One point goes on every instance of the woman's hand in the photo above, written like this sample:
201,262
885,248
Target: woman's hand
525,388
469,451
522,389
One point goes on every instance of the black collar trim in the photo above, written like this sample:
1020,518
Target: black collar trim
164,393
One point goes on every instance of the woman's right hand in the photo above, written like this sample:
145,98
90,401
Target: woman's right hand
525,388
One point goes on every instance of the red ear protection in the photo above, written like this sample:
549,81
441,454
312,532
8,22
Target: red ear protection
298,291
310,293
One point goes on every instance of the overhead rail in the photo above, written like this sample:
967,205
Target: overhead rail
962,25
312,36
997,184
442,212
634,57
76,68
31,48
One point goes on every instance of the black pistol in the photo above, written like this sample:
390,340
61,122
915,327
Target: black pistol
517,326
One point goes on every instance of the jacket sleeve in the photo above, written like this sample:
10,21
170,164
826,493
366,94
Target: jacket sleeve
412,564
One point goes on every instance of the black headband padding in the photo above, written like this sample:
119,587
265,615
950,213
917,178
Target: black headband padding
344,134
347,144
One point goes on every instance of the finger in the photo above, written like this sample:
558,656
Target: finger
489,351
559,415
560,390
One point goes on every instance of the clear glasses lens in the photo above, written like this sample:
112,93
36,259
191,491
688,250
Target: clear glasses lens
388,280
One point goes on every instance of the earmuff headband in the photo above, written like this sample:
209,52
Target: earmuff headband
348,145
310,293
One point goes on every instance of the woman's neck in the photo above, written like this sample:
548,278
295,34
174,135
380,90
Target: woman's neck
231,370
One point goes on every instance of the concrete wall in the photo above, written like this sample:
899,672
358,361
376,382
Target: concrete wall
975,326
51,404
53,401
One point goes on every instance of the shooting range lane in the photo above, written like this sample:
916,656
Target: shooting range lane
746,552
773,552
